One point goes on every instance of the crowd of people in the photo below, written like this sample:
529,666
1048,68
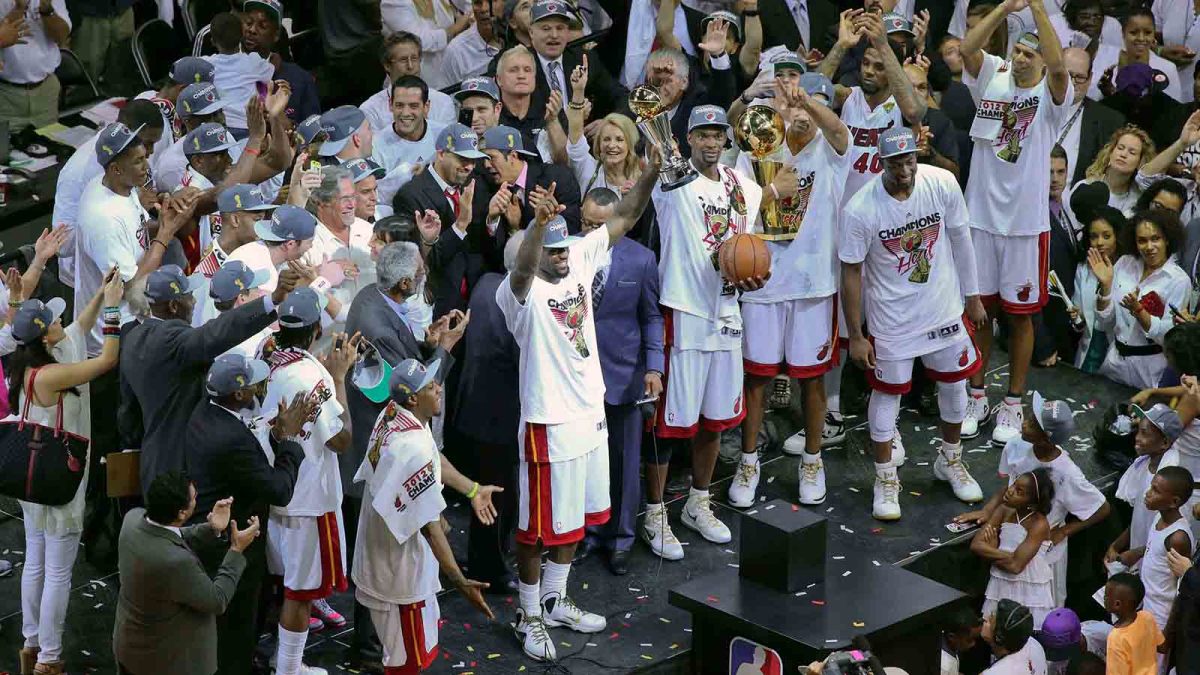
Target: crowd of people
307,300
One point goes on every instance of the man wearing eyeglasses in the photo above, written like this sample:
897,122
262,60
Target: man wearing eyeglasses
1090,124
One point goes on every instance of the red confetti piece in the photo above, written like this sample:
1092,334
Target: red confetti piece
795,508
712,598
613,636
472,664
819,603
467,626
624,625
877,530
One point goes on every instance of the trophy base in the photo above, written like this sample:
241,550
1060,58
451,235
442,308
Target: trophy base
675,182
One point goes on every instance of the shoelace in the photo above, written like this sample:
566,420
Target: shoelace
810,472
704,512
891,489
536,628
569,605
745,472
958,467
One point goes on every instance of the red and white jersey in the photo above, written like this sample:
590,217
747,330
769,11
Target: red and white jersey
205,309
1009,188
693,222
319,483
402,472
910,283
555,327
209,226
865,126
806,266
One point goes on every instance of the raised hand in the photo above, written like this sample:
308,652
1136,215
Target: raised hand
456,325
12,281
545,206
849,31
50,242
342,355
579,80
242,539
713,43
1191,129
429,224
256,124
466,203
114,288
553,106
921,28
218,518
277,100
1101,266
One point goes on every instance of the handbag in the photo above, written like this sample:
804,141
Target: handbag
40,464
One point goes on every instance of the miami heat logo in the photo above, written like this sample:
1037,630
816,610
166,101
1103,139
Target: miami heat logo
912,245
964,358
823,351
1024,291
571,315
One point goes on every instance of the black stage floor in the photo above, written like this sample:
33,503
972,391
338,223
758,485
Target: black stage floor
644,632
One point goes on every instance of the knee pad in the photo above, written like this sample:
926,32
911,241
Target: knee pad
881,415
952,401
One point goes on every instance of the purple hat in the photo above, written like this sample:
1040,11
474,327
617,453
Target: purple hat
1060,634
1139,79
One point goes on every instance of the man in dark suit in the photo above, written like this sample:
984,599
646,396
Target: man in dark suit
227,456
629,336
677,79
378,313
167,607
1089,127
164,360
487,417
512,174
456,260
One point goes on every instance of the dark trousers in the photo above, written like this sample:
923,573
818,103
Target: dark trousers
100,518
364,638
625,424
238,628
486,544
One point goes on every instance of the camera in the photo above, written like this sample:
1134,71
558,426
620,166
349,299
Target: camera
856,661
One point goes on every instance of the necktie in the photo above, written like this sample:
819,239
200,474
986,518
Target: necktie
452,195
555,79
598,283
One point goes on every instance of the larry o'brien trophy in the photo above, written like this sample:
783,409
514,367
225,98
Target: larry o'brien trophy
652,120
760,132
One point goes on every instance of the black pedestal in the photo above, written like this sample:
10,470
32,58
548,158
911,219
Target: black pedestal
897,611
783,548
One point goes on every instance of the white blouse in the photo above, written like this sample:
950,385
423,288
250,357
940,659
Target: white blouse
1172,285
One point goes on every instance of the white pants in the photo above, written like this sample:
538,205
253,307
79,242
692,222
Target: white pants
46,588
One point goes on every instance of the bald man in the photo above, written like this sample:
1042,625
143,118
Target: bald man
1090,124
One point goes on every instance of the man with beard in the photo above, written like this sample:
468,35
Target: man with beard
407,144
401,56
512,177
260,35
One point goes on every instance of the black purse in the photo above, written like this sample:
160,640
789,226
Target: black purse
40,464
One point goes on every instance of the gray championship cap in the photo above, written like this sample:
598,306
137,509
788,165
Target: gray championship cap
234,372
272,7
243,197
192,70
897,141
168,283
361,168
339,125
896,23
788,61
818,86
199,99
1163,418
302,307
707,116
233,279
544,9
208,138
735,24
310,129
474,86
556,235
410,377
288,223
504,139
1054,417
113,140
34,318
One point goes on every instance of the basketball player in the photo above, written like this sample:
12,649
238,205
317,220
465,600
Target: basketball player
703,390
401,545
791,324
884,99
563,475
894,256
1023,103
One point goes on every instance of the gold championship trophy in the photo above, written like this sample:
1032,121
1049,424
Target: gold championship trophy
652,120
760,132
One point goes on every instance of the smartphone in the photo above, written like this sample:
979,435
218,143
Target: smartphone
1174,310
650,399
261,88
339,342
959,527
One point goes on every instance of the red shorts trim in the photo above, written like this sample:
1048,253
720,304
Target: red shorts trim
717,426
809,372
412,630
961,375
887,388
541,502
333,577
761,369
1043,282
597,518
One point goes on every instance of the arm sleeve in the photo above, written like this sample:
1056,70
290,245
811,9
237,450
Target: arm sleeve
582,163
516,313
1081,498
106,247
852,239
1175,293
960,239
987,70
209,596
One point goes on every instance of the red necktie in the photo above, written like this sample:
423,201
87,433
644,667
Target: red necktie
452,195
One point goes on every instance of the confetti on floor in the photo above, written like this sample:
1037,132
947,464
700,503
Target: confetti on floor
854,489
768,507
818,603
875,563
858,624
839,557
914,493
846,573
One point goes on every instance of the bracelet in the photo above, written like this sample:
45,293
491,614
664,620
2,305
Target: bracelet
252,151
743,99
112,308
15,304
473,491
750,12
575,106
156,241
111,331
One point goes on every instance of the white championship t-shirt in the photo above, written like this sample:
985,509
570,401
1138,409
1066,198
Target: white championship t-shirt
257,256
805,267
400,157
209,225
393,563
865,126
1009,188
555,328
1072,492
910,283
319,483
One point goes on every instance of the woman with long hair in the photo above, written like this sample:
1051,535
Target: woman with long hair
1146,283
435,23
611,161
1138,44
1118,164
47,378
1104,235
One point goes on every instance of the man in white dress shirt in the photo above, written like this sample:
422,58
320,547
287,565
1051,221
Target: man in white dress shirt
366,175
469,53
340,239
401,55
28,87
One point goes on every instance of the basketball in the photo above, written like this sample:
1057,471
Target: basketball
744,256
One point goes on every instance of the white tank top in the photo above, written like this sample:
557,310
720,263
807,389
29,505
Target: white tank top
1156,574
865,126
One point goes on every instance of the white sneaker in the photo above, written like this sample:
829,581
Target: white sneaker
561,610
535,639
780,397
978,414
1009,418
306,669
898,454
886,503
812,480
951,467
833,434
745,482
698,515
656,532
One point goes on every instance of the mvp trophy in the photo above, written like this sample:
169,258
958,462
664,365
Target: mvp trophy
760,132
645,102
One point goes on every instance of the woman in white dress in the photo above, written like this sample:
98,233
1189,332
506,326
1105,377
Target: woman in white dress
611,160
50,367
435,23
1134,307
1104,234
1014,541
1118,164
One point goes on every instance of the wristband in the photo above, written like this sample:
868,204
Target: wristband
575,106
320,285
111,331
252,151
750,12
15,304
112,308
157,241
473,491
